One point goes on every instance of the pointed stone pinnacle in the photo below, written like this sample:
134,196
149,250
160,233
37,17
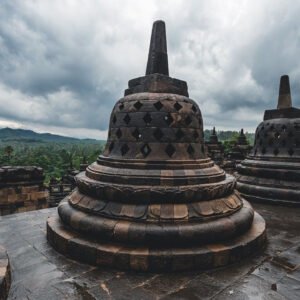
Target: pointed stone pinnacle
284,98
158,55
242,131
214,131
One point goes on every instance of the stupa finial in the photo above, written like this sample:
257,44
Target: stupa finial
284,98
158,55
214,131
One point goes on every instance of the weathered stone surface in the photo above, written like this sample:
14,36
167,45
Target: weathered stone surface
238,153
39,272
215,148
154,201
5,276
22,189
271,171
158,55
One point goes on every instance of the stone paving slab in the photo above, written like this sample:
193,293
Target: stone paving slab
39,272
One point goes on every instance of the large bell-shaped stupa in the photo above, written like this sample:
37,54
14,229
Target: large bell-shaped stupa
153,201
271,173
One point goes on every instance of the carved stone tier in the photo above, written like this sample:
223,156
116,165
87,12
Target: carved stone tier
146,258
153,201
271,171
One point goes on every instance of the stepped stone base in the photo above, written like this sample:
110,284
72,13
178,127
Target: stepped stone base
273,182
265,195
127,257
5,278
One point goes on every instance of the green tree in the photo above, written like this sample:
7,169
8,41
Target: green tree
8,150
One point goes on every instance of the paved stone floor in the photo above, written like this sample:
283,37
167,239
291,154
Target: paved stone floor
38,272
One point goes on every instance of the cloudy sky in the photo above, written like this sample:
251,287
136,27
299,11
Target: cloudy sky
63,64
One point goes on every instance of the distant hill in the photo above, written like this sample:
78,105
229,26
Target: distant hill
9,135
29,136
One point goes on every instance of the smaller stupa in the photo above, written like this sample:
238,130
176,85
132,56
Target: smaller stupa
238,152
215,148
271,171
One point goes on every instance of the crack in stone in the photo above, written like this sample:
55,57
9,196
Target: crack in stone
146,281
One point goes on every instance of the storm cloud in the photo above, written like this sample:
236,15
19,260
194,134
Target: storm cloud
63,64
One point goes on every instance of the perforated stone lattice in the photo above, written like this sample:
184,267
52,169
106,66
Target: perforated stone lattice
273,138
149,122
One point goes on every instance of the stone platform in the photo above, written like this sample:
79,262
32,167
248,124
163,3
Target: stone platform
39,272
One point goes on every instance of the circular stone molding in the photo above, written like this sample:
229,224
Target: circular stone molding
143,258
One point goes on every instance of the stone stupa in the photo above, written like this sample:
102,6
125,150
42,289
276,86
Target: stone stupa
215,148
153,201
237,153
271,171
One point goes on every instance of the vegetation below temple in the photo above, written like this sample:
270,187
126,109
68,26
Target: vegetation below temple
56,154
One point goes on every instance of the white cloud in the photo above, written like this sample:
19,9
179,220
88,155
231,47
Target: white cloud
63,65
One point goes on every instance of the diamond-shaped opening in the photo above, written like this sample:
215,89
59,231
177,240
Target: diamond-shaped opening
290,134
158,105
270,142
195,134
276,151
147,118
272,127
138,105
179,134
194,108
121,106
158,134
168,118
257,136
262,128
127,119
119,133
291,151
188,120
283,143
190,150
277,135
170,150
136,134
124,149
263,150
177,106
114,120
111,146
146,150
